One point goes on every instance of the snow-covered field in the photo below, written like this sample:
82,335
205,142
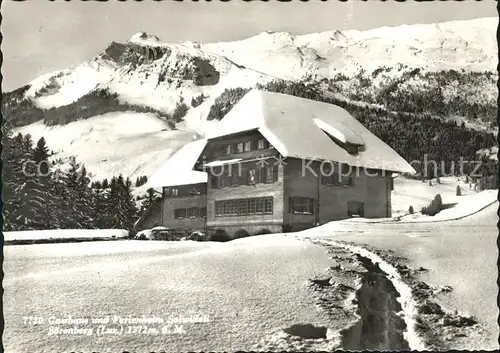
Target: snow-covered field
252,289
65,234
248,289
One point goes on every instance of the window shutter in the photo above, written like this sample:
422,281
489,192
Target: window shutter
214,182
290,204
275,174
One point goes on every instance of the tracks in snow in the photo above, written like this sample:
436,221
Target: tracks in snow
394,310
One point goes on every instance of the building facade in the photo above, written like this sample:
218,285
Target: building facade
269,177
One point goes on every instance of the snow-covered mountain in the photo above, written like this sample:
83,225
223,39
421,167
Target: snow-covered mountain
143,99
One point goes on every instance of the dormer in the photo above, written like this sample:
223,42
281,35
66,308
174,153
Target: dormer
344,137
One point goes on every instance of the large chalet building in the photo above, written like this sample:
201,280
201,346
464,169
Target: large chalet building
276,163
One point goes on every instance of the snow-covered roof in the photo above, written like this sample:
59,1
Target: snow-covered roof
178,170
299,128
341,132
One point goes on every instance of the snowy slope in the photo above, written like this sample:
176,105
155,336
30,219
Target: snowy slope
130,143
66,86
459,44
469,45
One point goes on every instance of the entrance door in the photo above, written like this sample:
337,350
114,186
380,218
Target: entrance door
355,209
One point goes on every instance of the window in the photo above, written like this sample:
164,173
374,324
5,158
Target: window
180,213
251,206
264,206
302,205
244,207
262,144
239,147
347,180
268,206
192,212
227,208
337,175
329,174
248,146
347,177
219,209
259,206
228,149
169,192
243,174
234,208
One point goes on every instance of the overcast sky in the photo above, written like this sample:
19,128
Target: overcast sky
41,36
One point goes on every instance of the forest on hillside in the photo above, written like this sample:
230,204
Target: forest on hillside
414,135
22,111
471,95
41,195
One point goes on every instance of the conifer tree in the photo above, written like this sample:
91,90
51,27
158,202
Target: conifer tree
27,142
98,207
41,152
150,200
126,211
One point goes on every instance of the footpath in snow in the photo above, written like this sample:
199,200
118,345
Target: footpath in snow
395,310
